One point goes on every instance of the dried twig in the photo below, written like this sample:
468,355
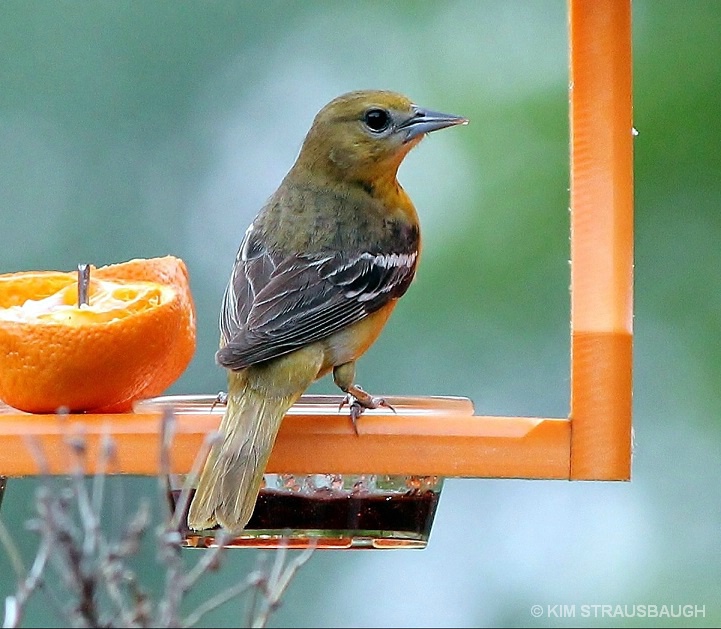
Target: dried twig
12,550
275,584
15,605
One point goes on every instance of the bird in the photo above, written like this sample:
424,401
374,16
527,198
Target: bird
316,277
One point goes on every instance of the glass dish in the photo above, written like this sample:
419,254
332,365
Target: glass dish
324,510
328,511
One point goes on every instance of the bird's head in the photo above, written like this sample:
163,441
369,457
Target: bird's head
365,135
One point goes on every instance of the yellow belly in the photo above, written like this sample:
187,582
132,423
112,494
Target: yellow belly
352,342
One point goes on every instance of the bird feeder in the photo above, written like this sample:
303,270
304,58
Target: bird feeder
399,460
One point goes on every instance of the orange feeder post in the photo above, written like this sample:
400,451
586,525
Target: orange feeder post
601,239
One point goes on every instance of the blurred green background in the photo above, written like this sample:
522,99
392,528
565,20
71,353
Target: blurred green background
135,129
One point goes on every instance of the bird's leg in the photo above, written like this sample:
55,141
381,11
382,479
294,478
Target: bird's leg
357,399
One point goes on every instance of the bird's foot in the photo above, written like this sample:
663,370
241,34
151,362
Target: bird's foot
358,401
221,398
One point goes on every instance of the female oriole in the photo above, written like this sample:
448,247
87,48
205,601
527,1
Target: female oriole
316,277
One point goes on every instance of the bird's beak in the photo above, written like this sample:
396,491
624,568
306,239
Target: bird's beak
424,121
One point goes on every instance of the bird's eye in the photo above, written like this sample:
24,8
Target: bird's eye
377,120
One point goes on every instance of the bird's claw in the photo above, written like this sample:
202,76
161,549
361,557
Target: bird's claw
220,398
358,401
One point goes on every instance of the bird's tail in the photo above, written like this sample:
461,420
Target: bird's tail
233,473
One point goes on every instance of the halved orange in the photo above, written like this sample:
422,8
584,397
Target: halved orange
133,339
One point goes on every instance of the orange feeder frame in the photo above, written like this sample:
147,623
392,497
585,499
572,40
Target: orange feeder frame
592,443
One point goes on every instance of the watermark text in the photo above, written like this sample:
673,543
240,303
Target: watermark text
630,610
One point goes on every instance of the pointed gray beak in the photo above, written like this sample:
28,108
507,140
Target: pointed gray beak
424,121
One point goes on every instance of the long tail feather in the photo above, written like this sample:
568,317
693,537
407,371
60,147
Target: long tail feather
233,473
258,398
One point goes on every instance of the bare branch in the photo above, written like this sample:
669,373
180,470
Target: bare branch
218,600
107,458
15,605
209,560
11,548
277,583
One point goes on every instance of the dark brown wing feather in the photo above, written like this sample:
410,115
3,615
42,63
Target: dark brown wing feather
273,307
252,270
